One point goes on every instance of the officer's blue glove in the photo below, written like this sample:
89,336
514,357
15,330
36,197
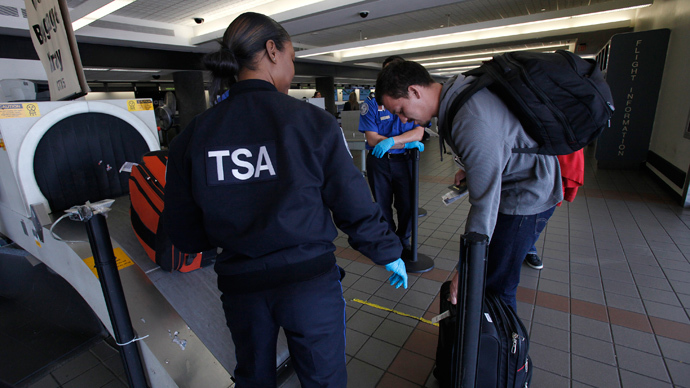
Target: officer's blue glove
399,276
382,147
415,144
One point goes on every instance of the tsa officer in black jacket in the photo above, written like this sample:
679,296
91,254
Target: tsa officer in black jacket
259,175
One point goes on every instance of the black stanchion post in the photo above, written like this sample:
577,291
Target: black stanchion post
106,267
471,278
417,263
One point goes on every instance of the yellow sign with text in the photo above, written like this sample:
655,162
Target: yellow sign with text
121,260
18,110
137,105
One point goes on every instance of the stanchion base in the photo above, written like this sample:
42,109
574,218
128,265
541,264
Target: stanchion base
421,212
422,264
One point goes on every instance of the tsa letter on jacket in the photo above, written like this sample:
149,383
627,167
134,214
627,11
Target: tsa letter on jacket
240,164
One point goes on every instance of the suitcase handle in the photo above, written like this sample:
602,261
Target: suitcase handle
474,249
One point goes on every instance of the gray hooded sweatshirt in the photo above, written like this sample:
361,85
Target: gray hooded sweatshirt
498,180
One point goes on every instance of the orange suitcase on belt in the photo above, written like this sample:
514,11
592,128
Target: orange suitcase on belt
147,193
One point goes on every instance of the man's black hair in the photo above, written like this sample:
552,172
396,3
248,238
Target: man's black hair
391,59
395,78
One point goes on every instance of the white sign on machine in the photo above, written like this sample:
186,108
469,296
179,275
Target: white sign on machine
53,38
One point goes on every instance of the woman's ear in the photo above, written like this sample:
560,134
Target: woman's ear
271,50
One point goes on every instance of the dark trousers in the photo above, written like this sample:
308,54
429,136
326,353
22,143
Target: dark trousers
513,236
312,314
390,181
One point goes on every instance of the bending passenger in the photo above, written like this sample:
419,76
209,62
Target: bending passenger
511,194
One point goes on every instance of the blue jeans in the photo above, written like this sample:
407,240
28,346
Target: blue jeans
537,233
512,238
312,314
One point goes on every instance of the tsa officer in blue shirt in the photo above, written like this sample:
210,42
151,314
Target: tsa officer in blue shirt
389,165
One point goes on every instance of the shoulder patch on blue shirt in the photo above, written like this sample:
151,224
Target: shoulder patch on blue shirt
228,165
364,109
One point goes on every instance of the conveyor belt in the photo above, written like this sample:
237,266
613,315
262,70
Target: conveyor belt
162,304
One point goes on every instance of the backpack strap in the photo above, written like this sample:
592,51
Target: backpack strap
526,150
482,80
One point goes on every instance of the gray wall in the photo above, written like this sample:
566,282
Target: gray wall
673,107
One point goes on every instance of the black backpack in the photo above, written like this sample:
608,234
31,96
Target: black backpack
561,100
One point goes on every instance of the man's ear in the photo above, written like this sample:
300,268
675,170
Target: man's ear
414,91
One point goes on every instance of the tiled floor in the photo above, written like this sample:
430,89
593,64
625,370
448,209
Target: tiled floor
609,309
100,366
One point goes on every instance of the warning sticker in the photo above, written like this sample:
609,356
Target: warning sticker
121,259
18,110
137,105
2,144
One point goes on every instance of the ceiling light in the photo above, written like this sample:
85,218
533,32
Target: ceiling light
491,33
453,69
136,70
96,69
267,7
458,61
613,10
466,36
100,13
492,52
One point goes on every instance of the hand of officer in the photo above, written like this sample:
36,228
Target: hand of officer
399,276
415,144
383,146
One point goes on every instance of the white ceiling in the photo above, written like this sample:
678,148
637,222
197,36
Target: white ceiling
326,29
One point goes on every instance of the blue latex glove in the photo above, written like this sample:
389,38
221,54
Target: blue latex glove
399,276
415,144
382,147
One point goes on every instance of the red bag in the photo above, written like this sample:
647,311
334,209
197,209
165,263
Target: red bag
146,193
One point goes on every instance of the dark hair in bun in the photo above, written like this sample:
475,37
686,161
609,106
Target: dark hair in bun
244,38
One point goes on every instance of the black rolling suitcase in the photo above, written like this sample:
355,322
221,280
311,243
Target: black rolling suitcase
486,344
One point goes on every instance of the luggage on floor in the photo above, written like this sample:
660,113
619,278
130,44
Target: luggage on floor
146,192
487,346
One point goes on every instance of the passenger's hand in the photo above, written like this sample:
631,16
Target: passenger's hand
459,176
383,146
415,144
453,296
399,276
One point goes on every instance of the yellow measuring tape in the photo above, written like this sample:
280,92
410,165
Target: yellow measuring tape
393,311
